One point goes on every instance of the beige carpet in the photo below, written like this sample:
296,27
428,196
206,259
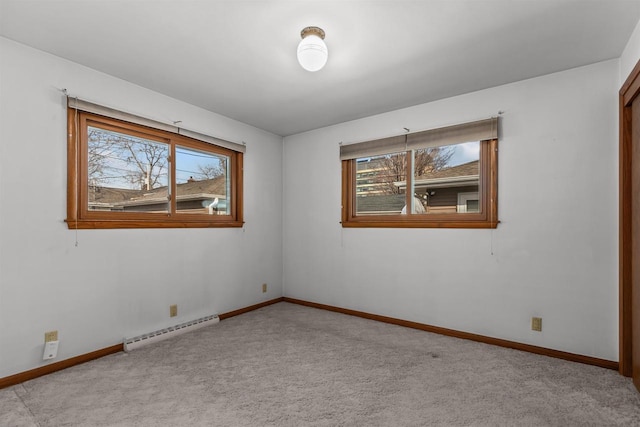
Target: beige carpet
288,365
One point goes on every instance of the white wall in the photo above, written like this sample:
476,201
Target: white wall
630,55
115,283
554,254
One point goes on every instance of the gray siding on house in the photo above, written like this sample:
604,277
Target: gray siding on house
448,196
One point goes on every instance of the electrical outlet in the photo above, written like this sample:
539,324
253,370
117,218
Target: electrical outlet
50,350
173,310
536,324
264,287
51,336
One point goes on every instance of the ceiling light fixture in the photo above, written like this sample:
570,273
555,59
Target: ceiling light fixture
312,52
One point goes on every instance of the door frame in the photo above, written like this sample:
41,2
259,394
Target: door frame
628,93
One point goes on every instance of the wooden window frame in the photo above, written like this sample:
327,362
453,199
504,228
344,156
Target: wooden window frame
487,190
80,217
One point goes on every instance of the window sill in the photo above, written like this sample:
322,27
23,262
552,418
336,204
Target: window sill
106,224
393,223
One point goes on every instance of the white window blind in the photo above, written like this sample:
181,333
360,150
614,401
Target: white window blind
466,132
376,147
81,105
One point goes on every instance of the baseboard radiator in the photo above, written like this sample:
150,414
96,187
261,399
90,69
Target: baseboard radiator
172,331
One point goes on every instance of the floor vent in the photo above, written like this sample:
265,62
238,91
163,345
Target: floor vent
163,334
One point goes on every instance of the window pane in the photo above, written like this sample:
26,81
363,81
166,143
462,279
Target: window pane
126,173
202,182
378,189
446,179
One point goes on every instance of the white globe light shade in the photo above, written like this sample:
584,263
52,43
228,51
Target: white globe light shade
312,53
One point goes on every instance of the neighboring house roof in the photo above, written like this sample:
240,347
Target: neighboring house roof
215,185
192,190
454,176
465,169
110,195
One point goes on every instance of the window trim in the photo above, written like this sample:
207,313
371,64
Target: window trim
80,217
488,200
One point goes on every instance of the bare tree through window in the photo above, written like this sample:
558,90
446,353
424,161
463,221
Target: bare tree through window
124,161
393,167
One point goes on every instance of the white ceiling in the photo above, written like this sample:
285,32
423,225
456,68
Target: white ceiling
238,58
